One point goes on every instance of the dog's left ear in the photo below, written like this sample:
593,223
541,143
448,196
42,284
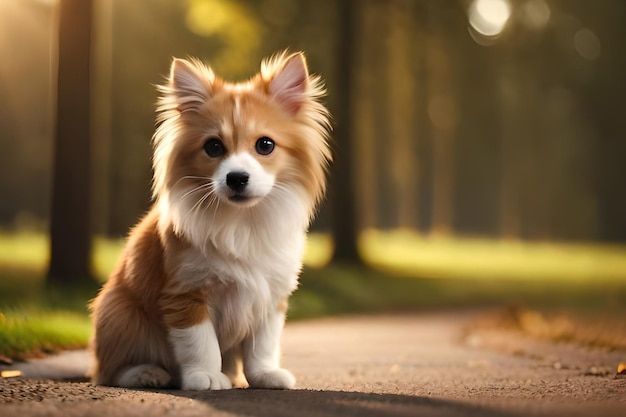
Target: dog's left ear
290,82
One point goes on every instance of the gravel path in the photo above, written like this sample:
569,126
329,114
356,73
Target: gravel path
423,364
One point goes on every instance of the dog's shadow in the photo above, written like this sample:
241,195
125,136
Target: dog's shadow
296,403
313,403
309,403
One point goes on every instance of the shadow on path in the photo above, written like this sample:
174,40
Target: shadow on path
305,403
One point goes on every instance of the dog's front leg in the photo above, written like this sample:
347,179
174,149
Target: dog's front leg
194,341
262,354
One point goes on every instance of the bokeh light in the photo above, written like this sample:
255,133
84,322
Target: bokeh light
535,14
231,23
587,44
489,17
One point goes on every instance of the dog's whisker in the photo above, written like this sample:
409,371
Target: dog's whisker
192,177
193,208
217,206
198,205
197,189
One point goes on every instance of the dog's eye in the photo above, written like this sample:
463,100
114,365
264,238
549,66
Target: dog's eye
264,146
214,148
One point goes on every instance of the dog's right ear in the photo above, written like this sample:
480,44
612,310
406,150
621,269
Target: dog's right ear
191,83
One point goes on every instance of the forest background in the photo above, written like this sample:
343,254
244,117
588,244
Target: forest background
513,129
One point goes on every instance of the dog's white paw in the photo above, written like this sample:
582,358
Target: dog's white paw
144,376
275,379
203,380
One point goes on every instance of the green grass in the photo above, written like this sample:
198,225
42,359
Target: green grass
29,333
409,272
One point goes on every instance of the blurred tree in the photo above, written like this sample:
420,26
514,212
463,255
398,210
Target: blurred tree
25,119
422,126
369,147
401,111
513,143
70,237
375,173
477,136
344,224
602,101
101,112
443,113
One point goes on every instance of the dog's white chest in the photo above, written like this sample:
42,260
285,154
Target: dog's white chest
242,290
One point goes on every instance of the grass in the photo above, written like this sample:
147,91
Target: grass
28,333
409,272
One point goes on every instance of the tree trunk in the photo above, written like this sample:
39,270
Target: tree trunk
70,237
443,114
101,121
344,224
365,129
400,113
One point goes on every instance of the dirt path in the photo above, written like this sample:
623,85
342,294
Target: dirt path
364,366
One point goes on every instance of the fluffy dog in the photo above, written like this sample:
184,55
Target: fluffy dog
199,297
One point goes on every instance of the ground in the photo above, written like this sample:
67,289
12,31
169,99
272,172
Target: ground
393,365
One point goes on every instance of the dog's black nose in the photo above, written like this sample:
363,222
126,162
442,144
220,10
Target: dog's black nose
237,180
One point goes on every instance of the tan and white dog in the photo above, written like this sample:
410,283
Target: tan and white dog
199,297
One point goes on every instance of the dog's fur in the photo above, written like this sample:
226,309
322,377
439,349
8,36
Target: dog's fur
199,297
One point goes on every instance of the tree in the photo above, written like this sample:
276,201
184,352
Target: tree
70,237
443,114
344,224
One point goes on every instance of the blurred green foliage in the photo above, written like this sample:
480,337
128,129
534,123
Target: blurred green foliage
25,333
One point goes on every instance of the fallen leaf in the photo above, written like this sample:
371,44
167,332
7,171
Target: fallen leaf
621,368
10,374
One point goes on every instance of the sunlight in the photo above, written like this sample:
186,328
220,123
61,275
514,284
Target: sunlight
407,252
25,31
234,24
488,17
210,17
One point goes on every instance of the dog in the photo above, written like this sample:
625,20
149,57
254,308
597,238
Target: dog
199,297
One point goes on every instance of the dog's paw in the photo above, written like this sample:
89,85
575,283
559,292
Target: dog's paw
203,380
144,376
275,379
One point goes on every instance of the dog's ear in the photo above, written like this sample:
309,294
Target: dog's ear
191,83
289,82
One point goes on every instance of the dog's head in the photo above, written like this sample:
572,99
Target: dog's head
230,146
